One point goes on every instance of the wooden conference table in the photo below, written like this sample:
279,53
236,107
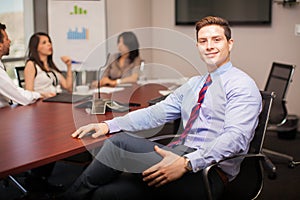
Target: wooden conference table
40,133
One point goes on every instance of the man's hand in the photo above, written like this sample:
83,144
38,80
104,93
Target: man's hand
98,128
170,168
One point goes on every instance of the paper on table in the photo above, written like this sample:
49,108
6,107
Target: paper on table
90,92
177,81
165,92
109,90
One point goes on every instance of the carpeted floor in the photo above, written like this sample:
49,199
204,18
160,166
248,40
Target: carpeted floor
286,186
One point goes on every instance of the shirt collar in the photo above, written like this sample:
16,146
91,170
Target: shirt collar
221,70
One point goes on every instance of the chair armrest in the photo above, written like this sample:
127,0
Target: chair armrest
163,137
207,169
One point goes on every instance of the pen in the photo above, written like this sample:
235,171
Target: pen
76,62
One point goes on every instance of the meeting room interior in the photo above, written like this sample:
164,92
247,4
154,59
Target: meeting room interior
265,33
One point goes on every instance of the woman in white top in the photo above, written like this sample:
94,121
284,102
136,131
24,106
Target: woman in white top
41,74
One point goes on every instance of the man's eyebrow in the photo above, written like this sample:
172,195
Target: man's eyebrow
204,38
214,36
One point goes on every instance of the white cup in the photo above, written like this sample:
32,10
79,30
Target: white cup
82,88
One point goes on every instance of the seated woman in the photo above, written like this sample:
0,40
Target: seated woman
123,67
41,73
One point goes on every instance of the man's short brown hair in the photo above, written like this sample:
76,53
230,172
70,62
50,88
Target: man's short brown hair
212,20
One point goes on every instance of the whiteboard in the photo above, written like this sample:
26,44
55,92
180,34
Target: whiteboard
76,28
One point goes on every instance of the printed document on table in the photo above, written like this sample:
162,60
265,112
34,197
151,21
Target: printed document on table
109,90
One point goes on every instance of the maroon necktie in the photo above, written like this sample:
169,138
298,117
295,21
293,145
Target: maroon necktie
194,114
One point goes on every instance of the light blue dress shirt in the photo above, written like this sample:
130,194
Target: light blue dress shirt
226,123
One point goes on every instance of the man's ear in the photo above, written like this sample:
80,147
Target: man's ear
230,44
1,48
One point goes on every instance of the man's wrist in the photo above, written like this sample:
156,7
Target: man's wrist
187,164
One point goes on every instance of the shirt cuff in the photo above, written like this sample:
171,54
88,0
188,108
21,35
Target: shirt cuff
193,157
113,127
37,95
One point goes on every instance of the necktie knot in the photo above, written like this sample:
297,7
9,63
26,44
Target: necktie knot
208,80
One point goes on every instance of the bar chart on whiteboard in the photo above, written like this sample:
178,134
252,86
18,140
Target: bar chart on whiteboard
76,29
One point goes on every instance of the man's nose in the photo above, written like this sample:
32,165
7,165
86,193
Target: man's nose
210,45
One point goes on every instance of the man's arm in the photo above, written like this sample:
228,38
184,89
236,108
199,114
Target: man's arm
15,93
241,117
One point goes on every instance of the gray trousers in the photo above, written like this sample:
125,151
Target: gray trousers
115,173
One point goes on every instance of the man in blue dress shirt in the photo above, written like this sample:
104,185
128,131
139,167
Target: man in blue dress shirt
224,127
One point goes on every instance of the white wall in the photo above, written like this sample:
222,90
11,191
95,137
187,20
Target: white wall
255,48
128,15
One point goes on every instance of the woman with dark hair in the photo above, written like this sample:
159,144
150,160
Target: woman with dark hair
123,67
41,73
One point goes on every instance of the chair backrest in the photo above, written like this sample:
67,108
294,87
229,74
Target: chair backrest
249,182
279,79
267,104
19,73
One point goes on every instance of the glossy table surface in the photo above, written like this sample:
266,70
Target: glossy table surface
40,133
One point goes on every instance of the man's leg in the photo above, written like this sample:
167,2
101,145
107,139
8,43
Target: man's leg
121,152
127,187
125,152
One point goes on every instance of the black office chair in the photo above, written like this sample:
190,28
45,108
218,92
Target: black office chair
278,81
16,183
249,182
19,73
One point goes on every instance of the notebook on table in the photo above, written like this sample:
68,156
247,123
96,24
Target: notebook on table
67,98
